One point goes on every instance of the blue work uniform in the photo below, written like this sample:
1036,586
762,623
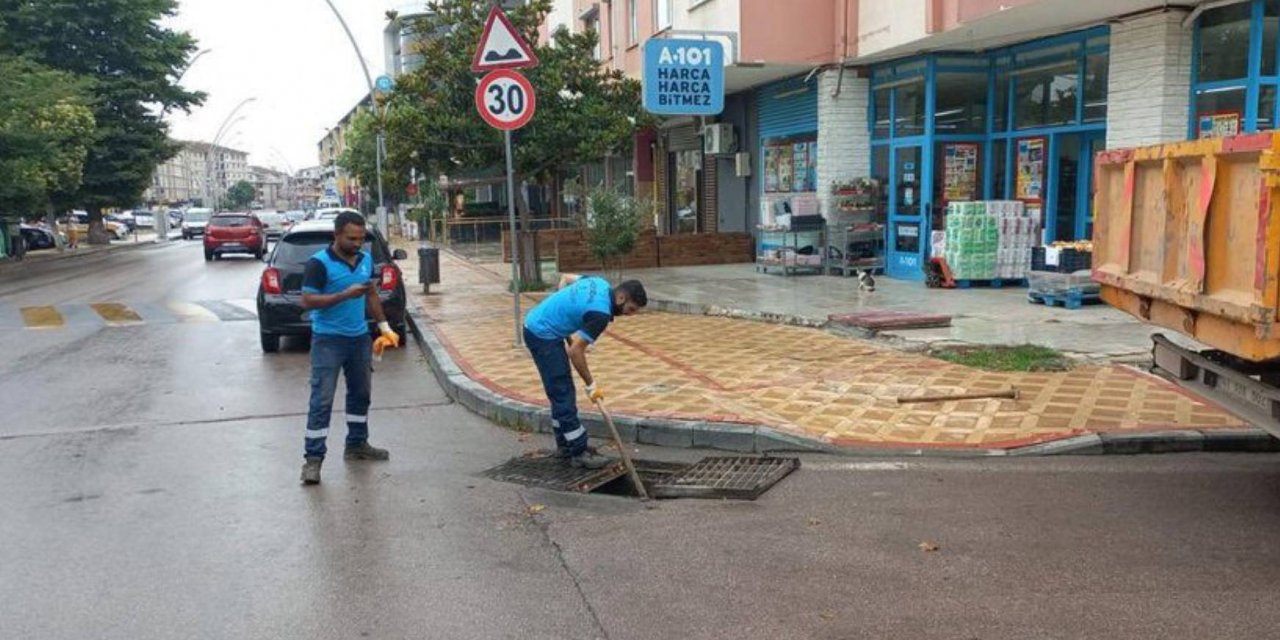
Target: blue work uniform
340,343
584,308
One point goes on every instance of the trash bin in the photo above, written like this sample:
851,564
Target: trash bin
428,267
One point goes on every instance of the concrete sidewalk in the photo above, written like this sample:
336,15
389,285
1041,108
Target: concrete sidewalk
697,380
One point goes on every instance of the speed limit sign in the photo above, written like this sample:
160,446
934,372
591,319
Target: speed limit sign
505,100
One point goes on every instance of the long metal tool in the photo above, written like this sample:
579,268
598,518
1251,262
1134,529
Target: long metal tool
622,451
1008,394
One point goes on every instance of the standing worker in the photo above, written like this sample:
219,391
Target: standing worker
338,290
578,314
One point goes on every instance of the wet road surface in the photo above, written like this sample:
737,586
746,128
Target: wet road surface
148,481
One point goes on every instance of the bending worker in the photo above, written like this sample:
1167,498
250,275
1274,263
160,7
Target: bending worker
577,314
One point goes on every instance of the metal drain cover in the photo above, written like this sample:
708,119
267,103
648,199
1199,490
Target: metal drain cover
735,478
555,474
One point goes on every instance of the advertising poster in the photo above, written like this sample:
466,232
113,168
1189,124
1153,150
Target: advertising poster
800,166
960,171
811,175
771,159
786,168
1031,162
1218,124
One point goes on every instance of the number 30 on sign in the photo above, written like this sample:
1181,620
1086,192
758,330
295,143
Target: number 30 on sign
505,100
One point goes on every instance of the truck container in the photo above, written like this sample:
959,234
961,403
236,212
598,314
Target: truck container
1187,237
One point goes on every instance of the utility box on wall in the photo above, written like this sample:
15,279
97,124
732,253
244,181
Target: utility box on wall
718,139
742,164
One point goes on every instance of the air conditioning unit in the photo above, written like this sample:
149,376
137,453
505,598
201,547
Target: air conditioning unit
718,139
742,164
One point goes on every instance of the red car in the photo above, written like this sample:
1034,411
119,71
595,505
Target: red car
234,233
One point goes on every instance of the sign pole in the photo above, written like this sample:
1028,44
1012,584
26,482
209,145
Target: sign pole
515,240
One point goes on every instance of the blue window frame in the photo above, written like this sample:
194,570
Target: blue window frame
1235,72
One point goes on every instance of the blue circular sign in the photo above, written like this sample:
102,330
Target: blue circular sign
384,84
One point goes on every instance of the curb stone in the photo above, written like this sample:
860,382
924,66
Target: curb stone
9,265
740,438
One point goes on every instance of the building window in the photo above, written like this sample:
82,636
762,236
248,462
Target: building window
961,103
633,23
662,14
1046,97
593,24
1233,92
909,110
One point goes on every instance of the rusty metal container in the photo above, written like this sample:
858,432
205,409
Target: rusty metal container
1187,237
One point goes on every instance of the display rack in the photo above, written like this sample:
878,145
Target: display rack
780,250
854,248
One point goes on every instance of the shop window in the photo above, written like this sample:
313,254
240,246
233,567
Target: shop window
790,176
882,113
1000,110
909,109
1224,43
957,172
1270,24
961,103
686,167
1046,96
1095,88
1220,112
1267,107
880,171
999,170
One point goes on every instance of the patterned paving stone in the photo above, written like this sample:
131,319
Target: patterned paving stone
804,381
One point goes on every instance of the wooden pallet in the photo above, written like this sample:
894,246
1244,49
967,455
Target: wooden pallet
1071,300
994,283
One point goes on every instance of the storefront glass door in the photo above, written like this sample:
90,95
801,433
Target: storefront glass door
1071,217
908,230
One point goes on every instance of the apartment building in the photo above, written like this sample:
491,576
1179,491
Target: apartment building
940,100
197,174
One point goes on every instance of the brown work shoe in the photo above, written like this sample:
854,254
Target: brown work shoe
365,451
311,471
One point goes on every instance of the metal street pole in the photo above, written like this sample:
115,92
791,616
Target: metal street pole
515,240
373,106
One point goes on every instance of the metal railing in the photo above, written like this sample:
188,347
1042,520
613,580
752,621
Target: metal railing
480,239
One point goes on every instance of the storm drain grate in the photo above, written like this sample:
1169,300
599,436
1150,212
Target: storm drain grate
554,473
735,478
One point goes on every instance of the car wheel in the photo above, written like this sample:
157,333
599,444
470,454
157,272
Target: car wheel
217,256
270,342
208,255
259,255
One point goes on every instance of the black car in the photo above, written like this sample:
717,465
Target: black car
280,310
37,238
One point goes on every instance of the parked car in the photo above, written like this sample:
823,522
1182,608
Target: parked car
274,223
234,233
125,219
295,216
280,310
36,237
143,219
330,214
79,220
194,222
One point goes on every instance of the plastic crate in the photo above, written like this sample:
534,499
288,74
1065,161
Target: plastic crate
1069,260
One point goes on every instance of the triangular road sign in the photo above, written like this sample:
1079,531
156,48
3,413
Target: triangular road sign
501,47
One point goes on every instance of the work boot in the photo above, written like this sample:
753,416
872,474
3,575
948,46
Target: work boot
365,451
311,471
562,453
589,460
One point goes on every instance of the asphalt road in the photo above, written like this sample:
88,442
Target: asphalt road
148,486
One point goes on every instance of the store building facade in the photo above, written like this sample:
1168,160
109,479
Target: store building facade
939,100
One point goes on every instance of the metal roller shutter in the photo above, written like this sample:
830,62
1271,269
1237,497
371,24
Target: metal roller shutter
788,107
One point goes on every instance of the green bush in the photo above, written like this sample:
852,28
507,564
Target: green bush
612,222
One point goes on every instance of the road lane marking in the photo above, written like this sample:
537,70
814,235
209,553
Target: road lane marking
80,315
153,313
11,317
191,312
227,312
41,317
116,313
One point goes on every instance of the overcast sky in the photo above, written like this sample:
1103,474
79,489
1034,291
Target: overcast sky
293,56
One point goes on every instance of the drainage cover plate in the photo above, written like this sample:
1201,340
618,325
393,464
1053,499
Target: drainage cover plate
736,478
554,473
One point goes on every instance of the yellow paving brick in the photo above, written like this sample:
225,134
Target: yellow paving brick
802,380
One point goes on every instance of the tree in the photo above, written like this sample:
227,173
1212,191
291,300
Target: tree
583,113
240,195
612,223
134,62
359,160
45,127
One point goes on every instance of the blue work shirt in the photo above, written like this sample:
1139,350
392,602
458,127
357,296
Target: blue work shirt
584,307
327,273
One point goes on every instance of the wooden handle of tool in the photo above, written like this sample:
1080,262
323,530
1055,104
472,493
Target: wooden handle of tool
1009,394
622,451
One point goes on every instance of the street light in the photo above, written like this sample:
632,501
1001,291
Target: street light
190,64
222,129
373,106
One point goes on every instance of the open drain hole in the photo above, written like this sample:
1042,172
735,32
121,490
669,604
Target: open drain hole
718,477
